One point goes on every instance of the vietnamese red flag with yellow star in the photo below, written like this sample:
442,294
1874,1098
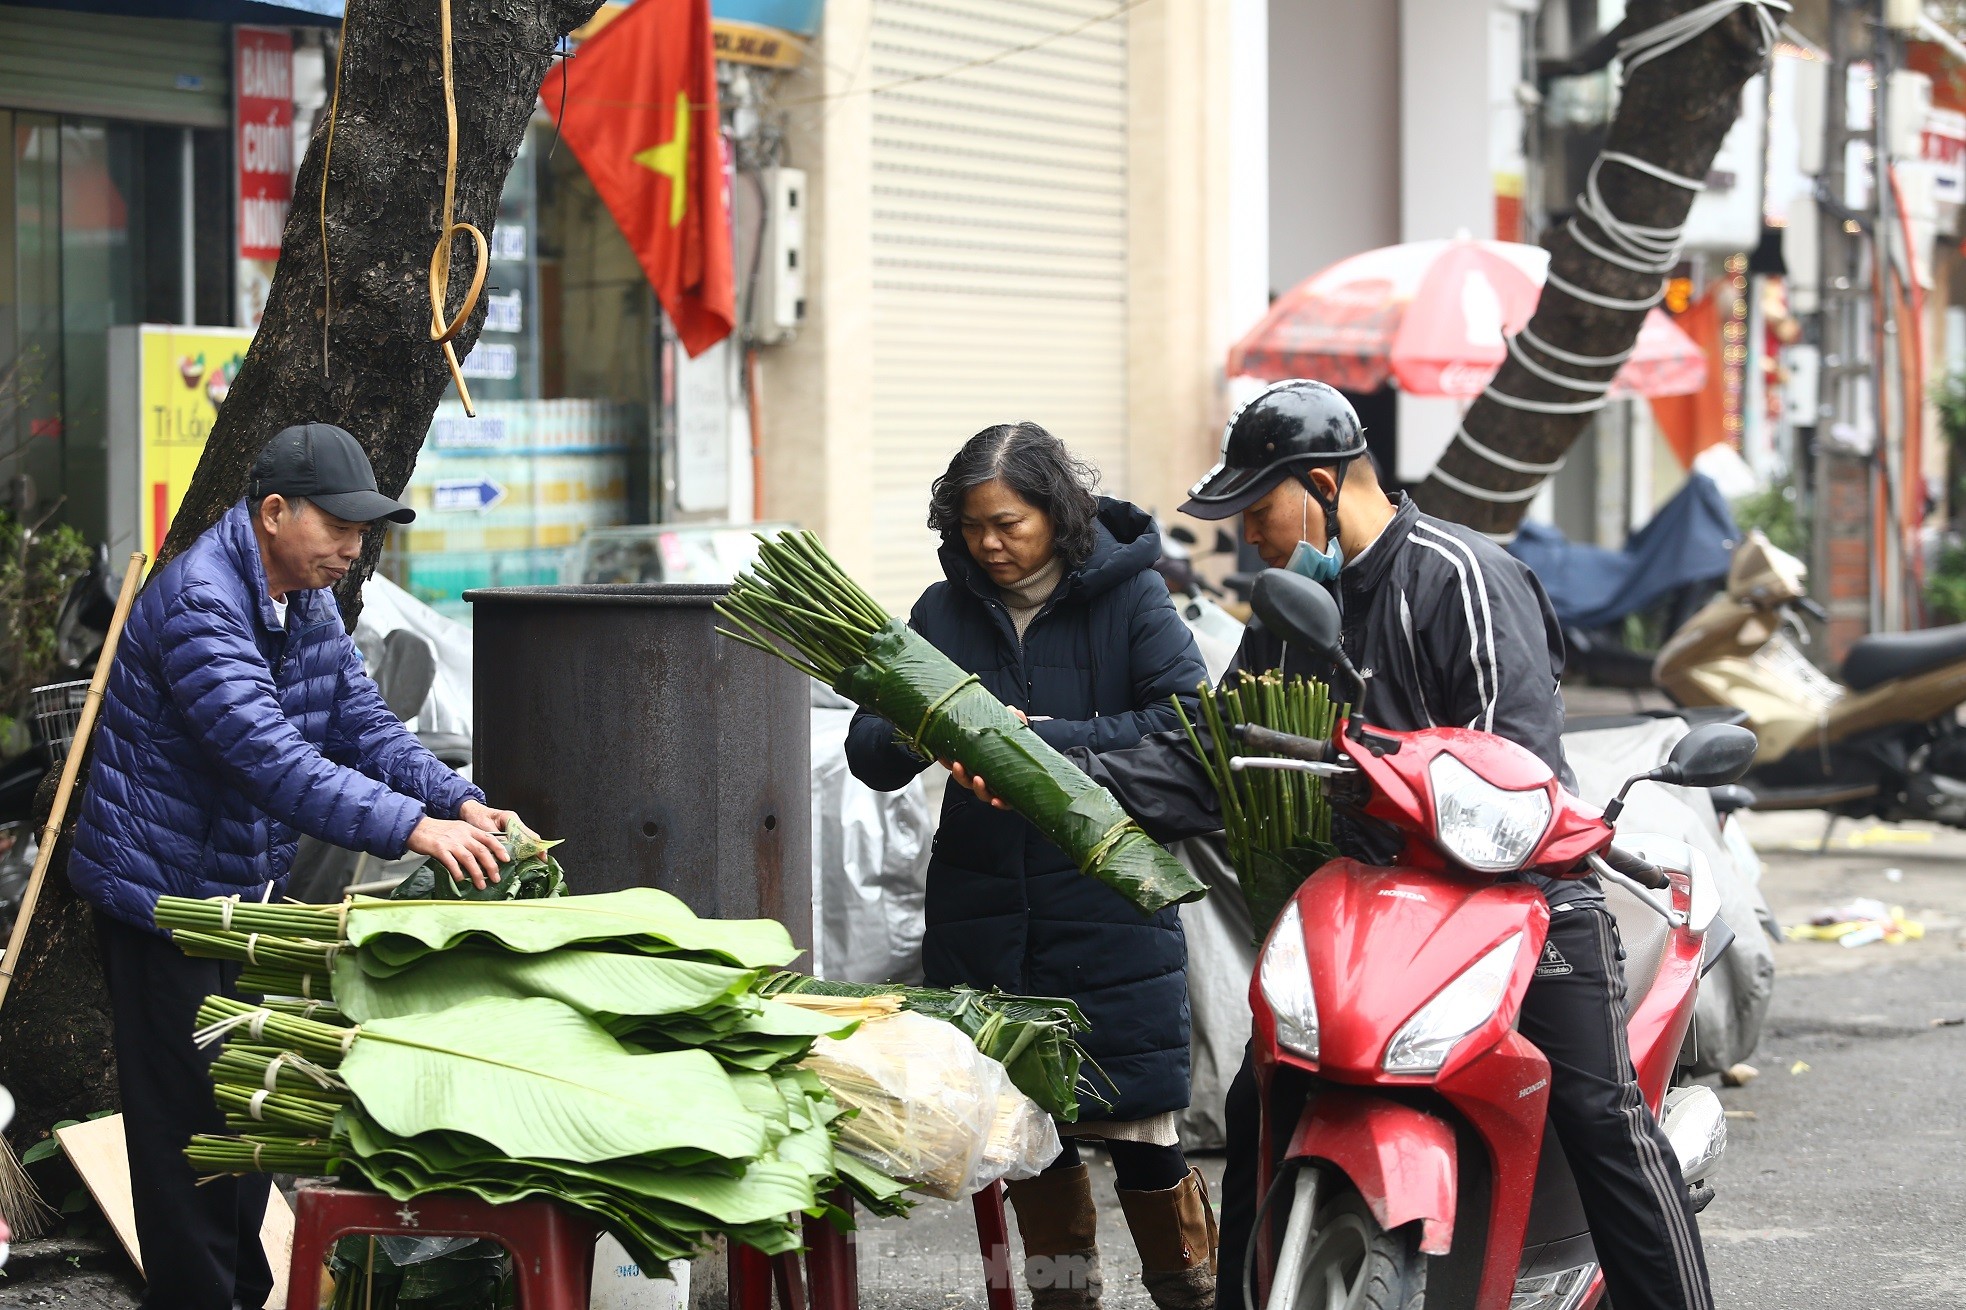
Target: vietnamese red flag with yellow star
638,108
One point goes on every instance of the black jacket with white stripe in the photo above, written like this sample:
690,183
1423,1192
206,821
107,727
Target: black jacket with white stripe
1448,629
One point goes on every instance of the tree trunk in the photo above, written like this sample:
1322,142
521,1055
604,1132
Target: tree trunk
382,379
1673,113
55,1029
383,376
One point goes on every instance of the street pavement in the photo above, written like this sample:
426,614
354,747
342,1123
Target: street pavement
1846,1157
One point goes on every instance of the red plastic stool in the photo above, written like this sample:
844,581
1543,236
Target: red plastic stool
832,1271
993,1235
552,1248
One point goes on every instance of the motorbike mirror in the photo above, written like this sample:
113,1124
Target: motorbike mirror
1182,535
1712,755
1299,610
1224,543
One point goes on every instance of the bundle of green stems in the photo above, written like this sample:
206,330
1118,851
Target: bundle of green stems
1277,822
812,604
321,923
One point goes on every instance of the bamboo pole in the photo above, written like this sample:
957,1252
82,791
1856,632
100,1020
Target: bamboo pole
70,766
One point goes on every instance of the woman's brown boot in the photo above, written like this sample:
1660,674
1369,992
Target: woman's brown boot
1058,1222
1174,1231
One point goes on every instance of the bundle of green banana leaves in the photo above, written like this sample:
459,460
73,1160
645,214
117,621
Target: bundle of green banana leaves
1035,1038
1277,822
530,872
798,604
513,1048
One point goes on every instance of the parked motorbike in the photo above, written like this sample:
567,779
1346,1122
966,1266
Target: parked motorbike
1403,1115
1217,632
1886,742
81,625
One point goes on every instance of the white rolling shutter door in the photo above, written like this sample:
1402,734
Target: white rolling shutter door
999,247
157,70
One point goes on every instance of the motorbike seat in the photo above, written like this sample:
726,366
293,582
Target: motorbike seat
1645,936
1886,655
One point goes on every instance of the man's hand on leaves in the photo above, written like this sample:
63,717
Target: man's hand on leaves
464,848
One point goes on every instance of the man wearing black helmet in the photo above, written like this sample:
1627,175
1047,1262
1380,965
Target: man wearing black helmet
1447,629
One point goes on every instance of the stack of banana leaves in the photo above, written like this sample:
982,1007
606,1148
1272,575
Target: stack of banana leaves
612,1052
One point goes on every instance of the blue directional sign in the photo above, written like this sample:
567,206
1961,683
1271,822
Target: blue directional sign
466,493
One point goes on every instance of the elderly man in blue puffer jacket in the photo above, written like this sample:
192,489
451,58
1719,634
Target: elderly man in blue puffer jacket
237,717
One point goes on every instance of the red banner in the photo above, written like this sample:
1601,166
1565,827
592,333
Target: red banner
263,100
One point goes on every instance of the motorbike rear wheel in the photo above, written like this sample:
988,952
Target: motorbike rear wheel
1350,1262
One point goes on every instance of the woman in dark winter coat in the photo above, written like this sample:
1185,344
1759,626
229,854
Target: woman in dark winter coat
1052,602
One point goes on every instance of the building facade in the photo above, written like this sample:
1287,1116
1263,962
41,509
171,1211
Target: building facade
1017,211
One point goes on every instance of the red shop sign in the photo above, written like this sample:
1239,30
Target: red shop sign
263,111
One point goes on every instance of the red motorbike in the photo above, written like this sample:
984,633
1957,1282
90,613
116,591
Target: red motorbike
1403,1115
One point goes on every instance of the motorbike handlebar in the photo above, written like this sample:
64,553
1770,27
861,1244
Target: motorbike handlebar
1285,744
1643,872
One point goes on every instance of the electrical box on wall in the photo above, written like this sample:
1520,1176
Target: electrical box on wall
1904,15
780,303
1908,100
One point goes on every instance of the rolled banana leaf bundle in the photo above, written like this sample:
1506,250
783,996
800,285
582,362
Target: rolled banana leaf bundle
798,604
1277,822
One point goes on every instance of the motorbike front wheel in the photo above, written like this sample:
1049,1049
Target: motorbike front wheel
1345,1260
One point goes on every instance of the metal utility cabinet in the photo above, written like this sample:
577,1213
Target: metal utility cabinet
665,755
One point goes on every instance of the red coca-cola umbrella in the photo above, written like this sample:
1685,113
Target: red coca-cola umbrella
1430,316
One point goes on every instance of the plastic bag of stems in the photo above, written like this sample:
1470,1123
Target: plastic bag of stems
798,604
1277,822
928,1108
1035,1038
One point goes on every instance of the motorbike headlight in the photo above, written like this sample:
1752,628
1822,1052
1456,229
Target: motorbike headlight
1481,825
1459,1008
1285,976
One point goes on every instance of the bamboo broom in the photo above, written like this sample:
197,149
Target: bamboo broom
20,1204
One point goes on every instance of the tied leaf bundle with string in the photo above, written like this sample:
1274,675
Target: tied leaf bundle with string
797,604
1277,822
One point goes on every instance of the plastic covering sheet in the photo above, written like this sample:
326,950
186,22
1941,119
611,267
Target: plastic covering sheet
387,607
947,714
869,859
1691,539
1221,959
1734,996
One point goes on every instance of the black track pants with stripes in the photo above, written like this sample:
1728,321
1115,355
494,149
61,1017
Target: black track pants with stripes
1627,1175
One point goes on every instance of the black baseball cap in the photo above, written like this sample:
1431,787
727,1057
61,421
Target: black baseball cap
326,465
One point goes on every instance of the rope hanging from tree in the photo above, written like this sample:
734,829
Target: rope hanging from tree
442,331
1634,247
